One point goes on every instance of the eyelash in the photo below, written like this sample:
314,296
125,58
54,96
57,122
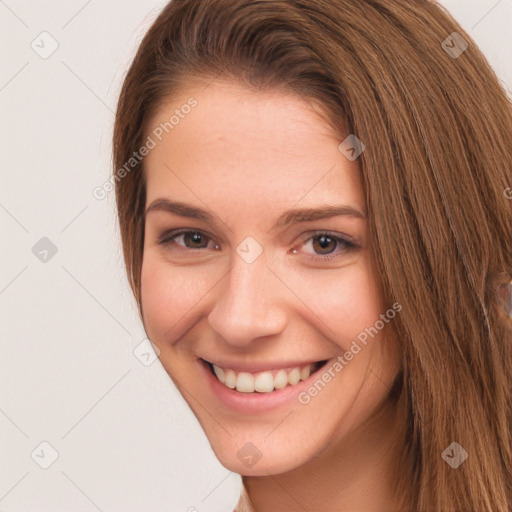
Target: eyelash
167,238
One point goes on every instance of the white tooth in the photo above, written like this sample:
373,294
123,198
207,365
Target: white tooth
294,376
280,380
264,382
245,382
230,379
305,372
220,373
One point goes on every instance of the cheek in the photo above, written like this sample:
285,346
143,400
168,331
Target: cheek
168,297
343,302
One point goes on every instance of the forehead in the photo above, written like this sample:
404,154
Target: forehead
251,150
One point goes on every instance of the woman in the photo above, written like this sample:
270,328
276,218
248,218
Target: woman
315,228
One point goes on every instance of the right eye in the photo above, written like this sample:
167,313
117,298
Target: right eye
190,239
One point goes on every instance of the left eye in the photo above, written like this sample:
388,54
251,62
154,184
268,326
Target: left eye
324,242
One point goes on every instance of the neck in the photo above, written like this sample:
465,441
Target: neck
356,474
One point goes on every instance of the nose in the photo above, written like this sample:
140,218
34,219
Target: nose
248,306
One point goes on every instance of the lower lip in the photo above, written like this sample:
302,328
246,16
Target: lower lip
253,403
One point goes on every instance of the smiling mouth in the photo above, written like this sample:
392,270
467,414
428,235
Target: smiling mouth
265,381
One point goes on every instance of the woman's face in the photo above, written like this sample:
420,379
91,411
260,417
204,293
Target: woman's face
257,258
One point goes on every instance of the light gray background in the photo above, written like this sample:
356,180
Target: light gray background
126,440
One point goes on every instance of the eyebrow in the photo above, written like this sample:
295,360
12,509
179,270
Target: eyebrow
285,219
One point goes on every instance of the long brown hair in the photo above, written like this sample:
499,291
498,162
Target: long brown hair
437,127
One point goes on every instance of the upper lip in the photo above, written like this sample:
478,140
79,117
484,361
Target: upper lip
254,367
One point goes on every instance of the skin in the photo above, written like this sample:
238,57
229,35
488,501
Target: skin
248,156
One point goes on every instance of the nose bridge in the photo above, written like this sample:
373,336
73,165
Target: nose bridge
247,306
